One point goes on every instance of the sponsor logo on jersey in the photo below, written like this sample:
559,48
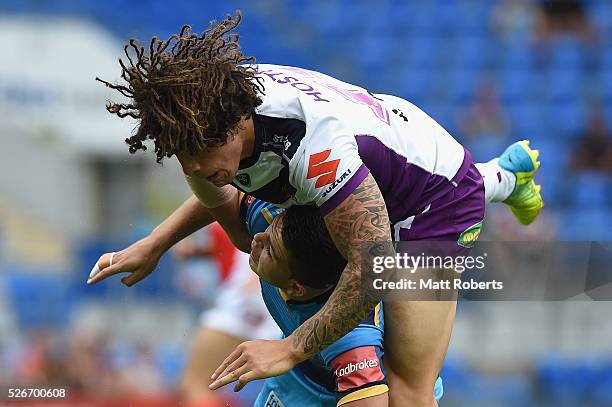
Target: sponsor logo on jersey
282,140
470,235
336,182
353,367
243,179
324,170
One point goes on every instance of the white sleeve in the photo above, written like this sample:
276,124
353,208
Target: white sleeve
328,172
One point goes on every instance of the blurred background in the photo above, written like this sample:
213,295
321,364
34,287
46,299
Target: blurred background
491,72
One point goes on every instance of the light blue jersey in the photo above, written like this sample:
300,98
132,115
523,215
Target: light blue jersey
349,369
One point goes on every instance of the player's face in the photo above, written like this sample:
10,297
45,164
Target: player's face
217,164
269,257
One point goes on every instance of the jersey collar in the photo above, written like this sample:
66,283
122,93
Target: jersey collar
260,138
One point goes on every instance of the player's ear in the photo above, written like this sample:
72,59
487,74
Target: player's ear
296,289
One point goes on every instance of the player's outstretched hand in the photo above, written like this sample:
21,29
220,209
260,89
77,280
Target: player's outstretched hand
254,360
139,260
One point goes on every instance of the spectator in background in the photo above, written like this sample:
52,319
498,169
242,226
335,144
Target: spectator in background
564,17
36,364
485,116
593,151
141,377
514,20
89,367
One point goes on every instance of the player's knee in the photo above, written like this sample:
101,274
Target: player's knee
412,400
419,396
411,389
414,373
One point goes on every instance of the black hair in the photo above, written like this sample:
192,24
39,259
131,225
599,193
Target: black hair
312,255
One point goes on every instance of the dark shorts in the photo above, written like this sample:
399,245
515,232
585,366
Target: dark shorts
447,217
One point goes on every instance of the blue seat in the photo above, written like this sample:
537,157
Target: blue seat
447,17
605,85
454,373
443,113
516,84
602,391
586,224
564,85
526,119
413,84
513,389
400,17
566,119
517,55
324,17
560,382
608,112
421,22
472,18
600,12
592,190
39,298
565,382
485,147
374,50
567,52
422,52
470,52
554,156
461,85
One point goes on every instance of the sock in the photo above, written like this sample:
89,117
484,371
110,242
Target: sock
499,183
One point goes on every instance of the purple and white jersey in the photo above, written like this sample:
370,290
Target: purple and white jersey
317,138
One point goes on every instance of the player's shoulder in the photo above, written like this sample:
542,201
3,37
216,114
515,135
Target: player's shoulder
324,162
257,214
287,89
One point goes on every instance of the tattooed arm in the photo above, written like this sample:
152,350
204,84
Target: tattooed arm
361,218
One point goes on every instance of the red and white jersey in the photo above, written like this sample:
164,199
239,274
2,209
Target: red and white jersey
317,138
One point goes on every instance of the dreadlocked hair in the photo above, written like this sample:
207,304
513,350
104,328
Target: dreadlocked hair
188,92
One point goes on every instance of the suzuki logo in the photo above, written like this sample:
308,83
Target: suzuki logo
325,170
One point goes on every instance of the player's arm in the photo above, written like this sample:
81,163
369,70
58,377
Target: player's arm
224,205
141,258
362,217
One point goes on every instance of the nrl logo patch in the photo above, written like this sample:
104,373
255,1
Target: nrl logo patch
470,235
273,400
243,179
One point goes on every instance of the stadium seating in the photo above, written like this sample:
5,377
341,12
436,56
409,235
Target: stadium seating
39,299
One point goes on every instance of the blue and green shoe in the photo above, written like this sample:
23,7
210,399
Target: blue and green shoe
525,201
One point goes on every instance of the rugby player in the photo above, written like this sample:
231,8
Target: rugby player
298,266
378,168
